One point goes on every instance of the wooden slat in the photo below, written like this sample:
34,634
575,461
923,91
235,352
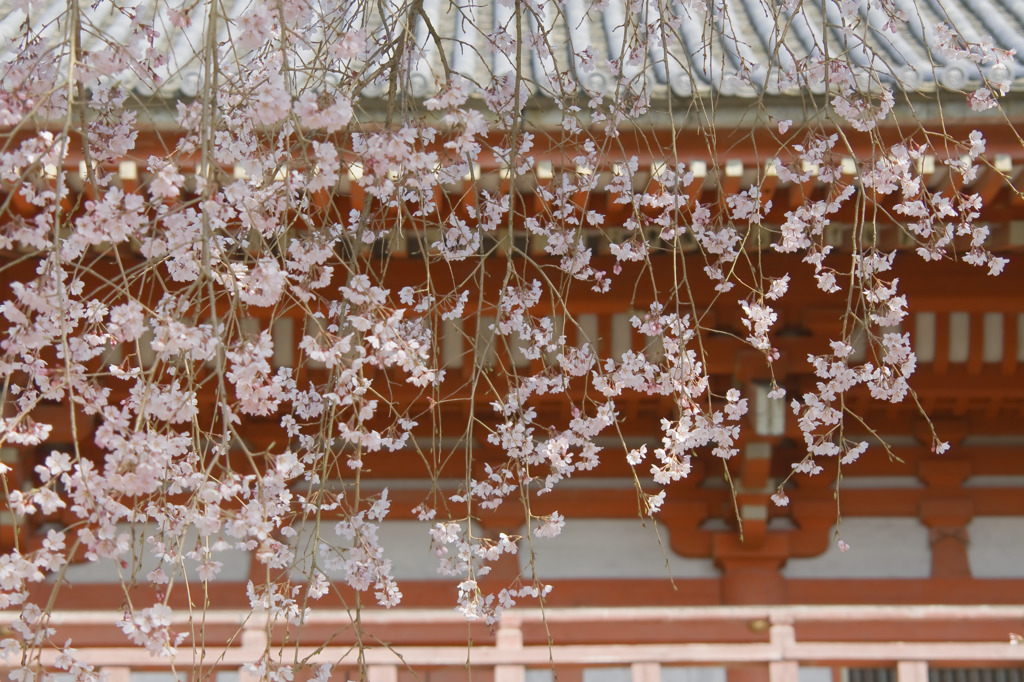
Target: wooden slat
975,342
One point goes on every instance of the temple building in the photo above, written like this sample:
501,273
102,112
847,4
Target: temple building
904,566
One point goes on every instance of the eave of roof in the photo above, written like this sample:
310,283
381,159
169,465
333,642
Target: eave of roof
699,53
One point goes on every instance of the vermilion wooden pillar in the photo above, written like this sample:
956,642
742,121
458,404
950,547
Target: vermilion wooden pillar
750,572
946,513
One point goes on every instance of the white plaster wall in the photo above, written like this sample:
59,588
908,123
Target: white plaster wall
693,673
538,675
610,548
994,481
814,673
884,547
995,546
106,571
405,543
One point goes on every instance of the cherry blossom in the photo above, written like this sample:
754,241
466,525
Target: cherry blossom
330,235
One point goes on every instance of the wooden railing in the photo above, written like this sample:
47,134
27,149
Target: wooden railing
777,640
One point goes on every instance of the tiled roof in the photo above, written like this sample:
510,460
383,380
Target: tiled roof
700,52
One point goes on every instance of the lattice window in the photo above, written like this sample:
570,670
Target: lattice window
975,675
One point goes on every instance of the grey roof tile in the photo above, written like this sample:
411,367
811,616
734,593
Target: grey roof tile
696,53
